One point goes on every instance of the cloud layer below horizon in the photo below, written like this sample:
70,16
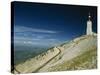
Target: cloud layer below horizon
33,36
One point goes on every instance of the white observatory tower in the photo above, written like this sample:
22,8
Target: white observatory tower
89,26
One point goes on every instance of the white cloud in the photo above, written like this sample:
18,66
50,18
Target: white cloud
28,29
36,41
31,38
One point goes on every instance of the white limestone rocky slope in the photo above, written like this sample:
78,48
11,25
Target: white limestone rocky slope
79,53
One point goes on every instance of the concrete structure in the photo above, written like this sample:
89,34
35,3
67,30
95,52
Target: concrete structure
89,26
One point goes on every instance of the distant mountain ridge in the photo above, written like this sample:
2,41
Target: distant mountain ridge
79,53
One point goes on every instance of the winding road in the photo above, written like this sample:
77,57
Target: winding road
47,61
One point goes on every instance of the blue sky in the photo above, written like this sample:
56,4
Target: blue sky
49,25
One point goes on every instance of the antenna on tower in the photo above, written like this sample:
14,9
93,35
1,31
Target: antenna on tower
89,16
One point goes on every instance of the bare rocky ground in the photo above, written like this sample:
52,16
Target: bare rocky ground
78,54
